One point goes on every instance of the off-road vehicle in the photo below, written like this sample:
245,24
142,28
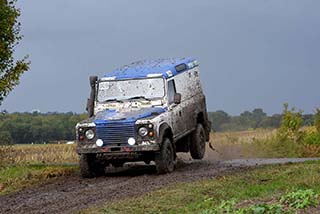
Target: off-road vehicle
146,111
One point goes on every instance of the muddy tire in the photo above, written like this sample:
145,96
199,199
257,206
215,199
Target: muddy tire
90,167
165,159
198,143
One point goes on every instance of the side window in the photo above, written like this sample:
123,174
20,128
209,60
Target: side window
171,91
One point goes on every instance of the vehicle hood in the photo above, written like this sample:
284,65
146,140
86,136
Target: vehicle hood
132,115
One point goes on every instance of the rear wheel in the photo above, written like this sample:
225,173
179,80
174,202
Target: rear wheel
89,166
165,159
198,143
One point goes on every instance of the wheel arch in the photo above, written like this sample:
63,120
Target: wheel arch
202,118
165,131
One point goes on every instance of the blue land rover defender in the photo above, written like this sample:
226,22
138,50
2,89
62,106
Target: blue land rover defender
145,111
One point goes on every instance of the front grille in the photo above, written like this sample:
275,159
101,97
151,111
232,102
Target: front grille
115,132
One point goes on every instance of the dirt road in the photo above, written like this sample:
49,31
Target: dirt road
70,194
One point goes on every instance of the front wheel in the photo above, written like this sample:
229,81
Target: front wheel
165,159
89,166
198,143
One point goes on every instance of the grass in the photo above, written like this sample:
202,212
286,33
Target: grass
261,143
266,183
241,137
37,154
15,178
22,166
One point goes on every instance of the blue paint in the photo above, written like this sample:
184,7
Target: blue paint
143,68
112,116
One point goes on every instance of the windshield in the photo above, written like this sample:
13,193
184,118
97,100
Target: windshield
135,88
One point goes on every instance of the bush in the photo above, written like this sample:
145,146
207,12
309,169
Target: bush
291,120
312,138
290,125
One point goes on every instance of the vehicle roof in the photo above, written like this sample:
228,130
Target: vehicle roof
152,68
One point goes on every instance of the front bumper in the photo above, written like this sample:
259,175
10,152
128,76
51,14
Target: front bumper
89,148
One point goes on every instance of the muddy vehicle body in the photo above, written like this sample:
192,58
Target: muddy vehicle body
146,111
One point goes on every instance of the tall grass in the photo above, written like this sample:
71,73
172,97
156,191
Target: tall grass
265,144
37,154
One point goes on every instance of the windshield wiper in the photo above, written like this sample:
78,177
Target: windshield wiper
113,100
139,97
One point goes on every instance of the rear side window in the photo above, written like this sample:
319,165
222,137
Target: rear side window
171,91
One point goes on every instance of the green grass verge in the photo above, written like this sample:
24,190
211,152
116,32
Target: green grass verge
15,178
264,183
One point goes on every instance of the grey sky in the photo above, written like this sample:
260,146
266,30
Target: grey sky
252,53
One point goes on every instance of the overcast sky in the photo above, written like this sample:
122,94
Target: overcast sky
252,53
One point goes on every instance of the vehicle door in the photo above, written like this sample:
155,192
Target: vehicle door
177,122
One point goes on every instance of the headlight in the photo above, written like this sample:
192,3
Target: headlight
90,134
143,131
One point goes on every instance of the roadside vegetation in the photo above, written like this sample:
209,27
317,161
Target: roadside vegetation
22,166
37,154
289,188
291,139
18,177
251,120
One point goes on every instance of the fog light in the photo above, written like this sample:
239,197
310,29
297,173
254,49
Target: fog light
99,142
131,141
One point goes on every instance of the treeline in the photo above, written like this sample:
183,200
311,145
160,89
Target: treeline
27,128
222,121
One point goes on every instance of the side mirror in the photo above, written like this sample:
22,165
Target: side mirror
177,98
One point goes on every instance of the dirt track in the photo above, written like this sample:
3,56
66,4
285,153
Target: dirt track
73,193
67,195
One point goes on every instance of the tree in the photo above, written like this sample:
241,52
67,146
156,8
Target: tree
246,120
218,118
10,70
5,138
317,119
258,115
308,119
273,121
